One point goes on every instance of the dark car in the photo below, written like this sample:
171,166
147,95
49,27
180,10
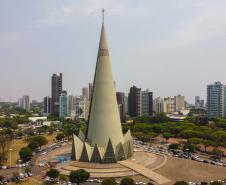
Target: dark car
204,183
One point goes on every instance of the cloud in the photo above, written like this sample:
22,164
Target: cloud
208,23
205,21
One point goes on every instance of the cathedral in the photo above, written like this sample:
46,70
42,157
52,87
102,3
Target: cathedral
104,141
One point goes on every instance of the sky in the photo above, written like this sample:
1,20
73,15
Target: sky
170,47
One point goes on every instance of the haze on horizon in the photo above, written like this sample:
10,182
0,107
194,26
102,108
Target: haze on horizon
171,47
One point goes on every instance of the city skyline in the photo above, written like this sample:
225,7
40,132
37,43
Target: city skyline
171,51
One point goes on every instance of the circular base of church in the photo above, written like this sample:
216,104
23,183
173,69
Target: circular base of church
119,169
98,170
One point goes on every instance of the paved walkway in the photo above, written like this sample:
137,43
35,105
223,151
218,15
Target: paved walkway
145,172
35,180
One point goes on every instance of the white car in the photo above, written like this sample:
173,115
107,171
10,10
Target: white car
191,183
41,164
43,153
21,175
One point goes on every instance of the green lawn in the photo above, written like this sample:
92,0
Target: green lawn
18,144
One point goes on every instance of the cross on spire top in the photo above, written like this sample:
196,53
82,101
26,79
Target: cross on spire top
103,15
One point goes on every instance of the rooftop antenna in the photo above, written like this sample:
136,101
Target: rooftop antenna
103,15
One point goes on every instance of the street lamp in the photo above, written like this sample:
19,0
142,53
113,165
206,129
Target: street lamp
10,157
20,162
187,150
133,169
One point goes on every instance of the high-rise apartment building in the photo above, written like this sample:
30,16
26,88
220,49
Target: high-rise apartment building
158,105
24,102
126,105
140,103
56,91
81,107
85,92
197,99
63,104
146,103
134,101
121,103
169,104
90,91
179,103
71,105
216,99
199,103
47,105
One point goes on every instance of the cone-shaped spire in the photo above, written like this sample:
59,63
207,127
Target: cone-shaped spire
103,48
104,120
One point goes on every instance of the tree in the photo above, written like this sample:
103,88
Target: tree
46,182
166,135
194,140
174,146
27,169
52,173
180,183
79,176
159,118
60,136
109,181
63,178
188,148
217,152
70,128
175,130
25,154
219,136
127,181
19,133
33,145
50,130
4,143
3,159
206,144
29,132
39,139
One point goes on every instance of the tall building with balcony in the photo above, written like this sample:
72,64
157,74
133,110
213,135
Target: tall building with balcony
56,91
134,101
46,105
71,105
85,92
179,103
146,103
81,107
158,105
63,104
24,102
199,103
169,104
121,104
90,91
216,100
